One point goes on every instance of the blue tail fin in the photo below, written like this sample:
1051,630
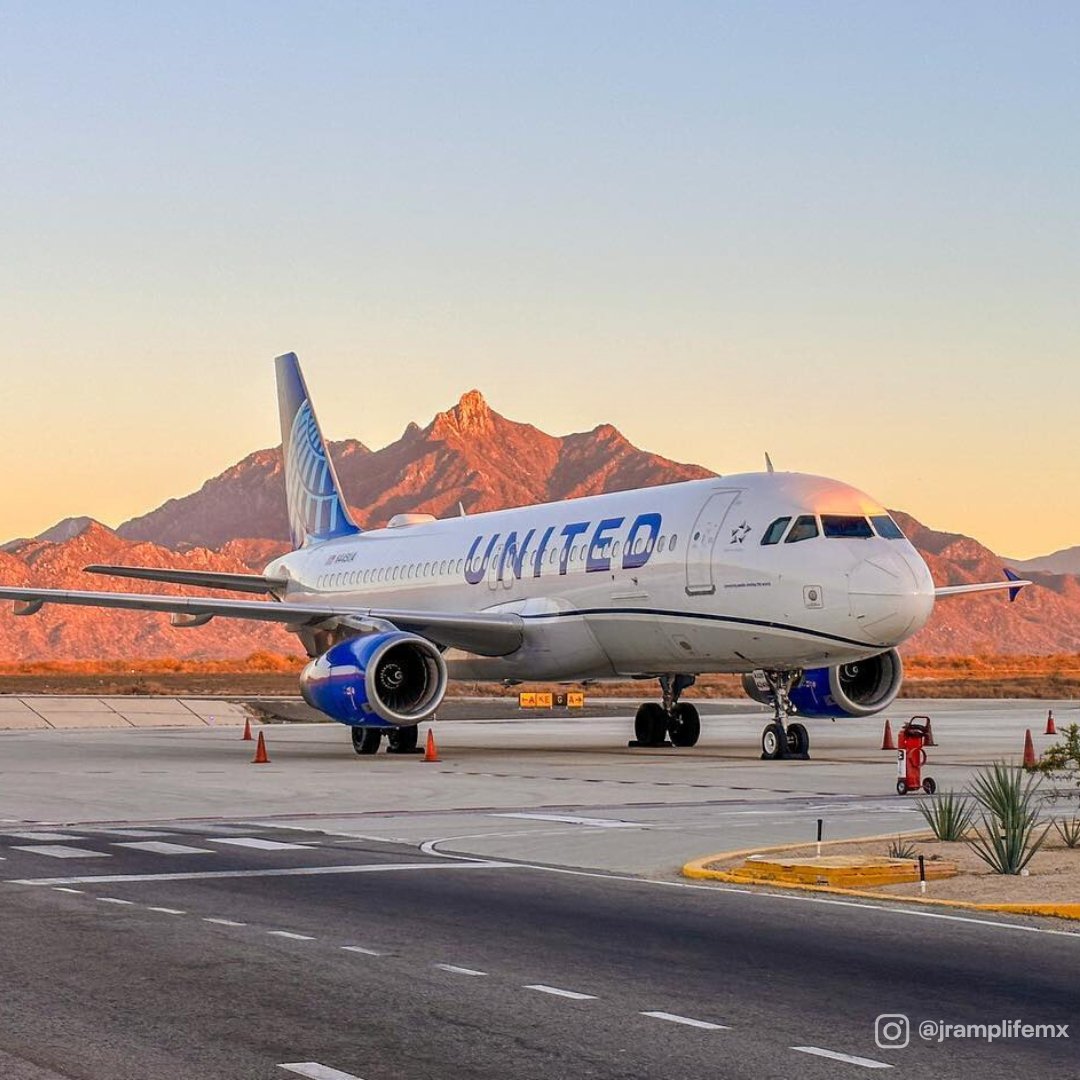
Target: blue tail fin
317,510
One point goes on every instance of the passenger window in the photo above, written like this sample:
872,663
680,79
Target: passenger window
886,527
846,527
674,541
616,548
775,531
660,543
805,528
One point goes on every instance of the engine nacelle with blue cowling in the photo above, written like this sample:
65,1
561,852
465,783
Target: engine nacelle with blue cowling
858,689
378,680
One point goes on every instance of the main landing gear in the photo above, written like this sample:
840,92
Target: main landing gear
399,740
656,723
781,739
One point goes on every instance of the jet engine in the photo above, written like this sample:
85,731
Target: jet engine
378,680
861,688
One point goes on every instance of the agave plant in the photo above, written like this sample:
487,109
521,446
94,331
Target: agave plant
948,814
1069,831
1009,816
901,849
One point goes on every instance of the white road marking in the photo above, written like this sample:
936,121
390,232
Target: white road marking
115,900
360,949
455,970
315,1071
258,843
290,935
832,1055
159,847
688,1021
61,888
286,871
59,851
134,834
167,910
224,922
572,994
570,819
44,836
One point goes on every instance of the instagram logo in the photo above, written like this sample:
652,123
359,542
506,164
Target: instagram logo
892,1031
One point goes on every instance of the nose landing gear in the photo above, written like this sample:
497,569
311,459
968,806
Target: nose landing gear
781,739
656,723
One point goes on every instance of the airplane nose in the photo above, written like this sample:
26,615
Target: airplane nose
891,596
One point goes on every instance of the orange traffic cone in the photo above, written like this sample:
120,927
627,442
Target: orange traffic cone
929,741
1051,727
1030,761
887,742
431,752
261,756
247,736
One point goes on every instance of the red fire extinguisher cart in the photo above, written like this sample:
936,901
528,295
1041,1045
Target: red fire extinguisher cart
911,757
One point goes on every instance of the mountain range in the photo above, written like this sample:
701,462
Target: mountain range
467,455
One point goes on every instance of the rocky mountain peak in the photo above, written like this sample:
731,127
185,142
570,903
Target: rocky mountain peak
470,416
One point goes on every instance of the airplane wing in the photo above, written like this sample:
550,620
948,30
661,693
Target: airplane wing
1013,582
486,633
203,579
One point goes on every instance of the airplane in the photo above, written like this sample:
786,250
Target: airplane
802,584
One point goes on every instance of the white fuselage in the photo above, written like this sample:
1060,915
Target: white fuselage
657,580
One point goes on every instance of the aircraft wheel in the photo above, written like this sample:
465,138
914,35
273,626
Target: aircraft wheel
901,787
650,724
684,725
798,740
772,742
366,740
402,740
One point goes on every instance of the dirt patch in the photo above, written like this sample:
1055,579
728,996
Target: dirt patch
1054,876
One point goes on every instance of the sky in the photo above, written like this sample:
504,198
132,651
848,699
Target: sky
845,233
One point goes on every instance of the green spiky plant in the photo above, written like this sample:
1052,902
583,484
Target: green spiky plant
1069,831
901,849
948,814
1009,816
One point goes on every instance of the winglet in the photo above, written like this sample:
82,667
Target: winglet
768,463
317,509
1014,592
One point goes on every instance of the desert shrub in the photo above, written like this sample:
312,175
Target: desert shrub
948,814
1069,831
901,849
1061,761
1009,816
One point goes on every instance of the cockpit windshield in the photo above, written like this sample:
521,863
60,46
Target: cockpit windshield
886,527
805,528
846,526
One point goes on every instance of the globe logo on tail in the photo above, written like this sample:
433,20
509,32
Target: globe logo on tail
315,510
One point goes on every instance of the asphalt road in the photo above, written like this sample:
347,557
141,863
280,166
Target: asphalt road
240,957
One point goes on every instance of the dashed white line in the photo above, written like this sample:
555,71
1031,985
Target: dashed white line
687,1021
60,851
167,910
62,889
115,900
290,935
850,1059
45,836
455,970
223,922
360,949
573,995
161,847
258,843
315,1071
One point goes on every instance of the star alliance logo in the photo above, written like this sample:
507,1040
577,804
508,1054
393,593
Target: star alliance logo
740,533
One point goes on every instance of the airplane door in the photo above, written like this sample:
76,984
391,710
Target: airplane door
702,540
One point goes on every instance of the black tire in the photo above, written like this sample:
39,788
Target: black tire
684,725
772,742
366,740
798,740
650,724
402,740
929,786
901,787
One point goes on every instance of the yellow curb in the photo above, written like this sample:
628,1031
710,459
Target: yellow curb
697,869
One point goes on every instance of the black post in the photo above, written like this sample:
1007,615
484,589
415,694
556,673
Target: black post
820,822
922,873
